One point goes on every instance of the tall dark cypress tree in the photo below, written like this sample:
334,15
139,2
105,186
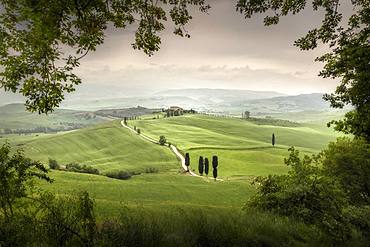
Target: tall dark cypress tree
214,165
214,161
187,161
201,165
215,172
206,166
273,140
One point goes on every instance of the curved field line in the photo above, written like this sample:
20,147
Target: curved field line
236,148
172,147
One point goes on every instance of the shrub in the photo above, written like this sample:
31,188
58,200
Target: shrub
306,195
74,167
53,164
348,161
151,170
123,175
162,140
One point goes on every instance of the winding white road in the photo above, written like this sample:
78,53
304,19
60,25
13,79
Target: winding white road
172,147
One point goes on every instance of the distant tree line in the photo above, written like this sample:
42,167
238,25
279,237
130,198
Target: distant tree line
72,126
272,121
130,113
72,167
258,121
75,167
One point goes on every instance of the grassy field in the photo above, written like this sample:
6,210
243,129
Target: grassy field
14,116
153,191
243,148
107,147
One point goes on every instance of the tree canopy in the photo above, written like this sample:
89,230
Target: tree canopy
42,42
349,56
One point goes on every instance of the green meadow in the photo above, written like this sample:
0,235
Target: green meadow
107,147
244,150
154,192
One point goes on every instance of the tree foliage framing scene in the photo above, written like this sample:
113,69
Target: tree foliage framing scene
111,162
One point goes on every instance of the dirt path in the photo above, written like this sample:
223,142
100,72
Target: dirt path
172,147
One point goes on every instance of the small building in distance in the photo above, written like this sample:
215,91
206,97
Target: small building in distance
174,111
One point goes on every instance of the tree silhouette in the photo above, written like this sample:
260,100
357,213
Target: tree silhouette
206,166
214,165
215,173
162,140
273,140
187,161
214,161
201,165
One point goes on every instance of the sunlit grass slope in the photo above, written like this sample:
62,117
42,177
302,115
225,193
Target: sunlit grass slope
14,116
243,148
162,191
106,147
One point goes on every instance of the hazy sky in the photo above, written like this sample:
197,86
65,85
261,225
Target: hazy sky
225,51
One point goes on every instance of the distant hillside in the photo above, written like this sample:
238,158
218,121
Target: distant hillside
219,95
283,104
126,112
15,119
302,102
129,102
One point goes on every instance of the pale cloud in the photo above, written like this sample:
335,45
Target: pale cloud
225,51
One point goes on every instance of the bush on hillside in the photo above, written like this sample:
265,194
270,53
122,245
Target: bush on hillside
162,140
53,164
274,122
151,170
74,167
313,191
123,175
349,162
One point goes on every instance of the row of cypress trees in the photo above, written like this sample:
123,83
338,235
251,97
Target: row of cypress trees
203,165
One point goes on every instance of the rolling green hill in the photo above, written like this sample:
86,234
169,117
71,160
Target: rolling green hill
243,147
162,191
106,147
14,118
111,147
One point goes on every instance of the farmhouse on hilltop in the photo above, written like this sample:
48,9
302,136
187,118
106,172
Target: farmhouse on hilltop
174,111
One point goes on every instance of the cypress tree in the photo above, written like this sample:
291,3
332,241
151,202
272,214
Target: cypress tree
273,140
201,165
206,166
187,161
215,172
214,161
